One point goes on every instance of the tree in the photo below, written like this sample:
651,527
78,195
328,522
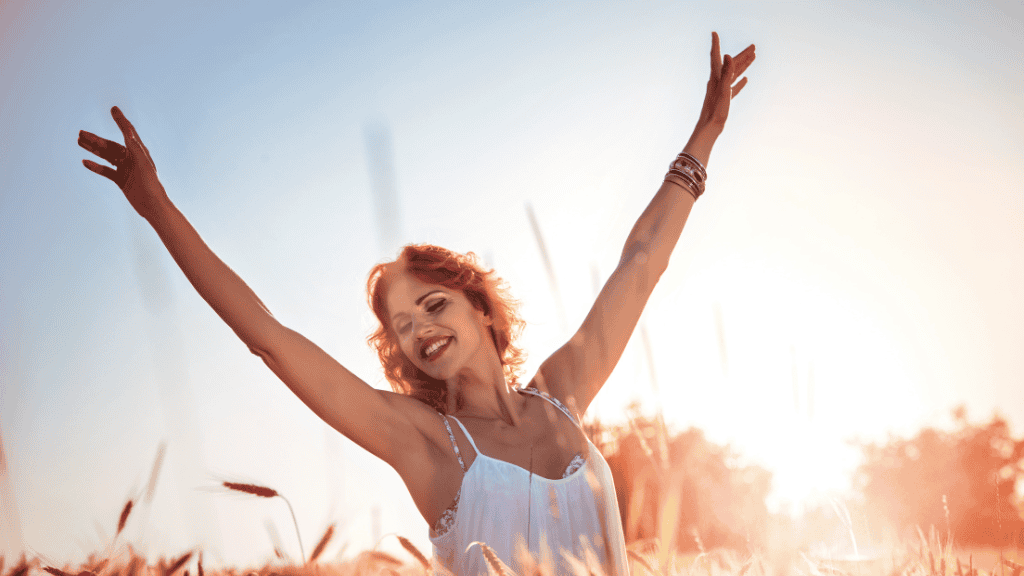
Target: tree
965,479
721,503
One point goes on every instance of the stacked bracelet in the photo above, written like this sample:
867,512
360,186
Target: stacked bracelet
689,173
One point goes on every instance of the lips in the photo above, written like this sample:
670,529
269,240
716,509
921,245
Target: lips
433,347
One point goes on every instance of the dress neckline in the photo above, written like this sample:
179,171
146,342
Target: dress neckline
544,481
533,392
572,476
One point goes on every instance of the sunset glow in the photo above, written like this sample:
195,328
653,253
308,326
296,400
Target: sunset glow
854,269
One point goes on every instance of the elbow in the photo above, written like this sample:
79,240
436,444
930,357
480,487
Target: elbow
262,348
257,351
262,338
644,260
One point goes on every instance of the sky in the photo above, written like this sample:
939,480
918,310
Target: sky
854,269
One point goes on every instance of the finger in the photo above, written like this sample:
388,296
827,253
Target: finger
102,170
110,151
744,59
739,86
728,68
122,122
131,136
716,57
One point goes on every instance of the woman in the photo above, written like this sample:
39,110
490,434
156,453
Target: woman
512,468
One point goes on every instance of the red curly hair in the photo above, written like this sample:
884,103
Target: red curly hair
455,271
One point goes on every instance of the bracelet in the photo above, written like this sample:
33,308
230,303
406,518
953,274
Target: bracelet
684,184
703,170
687,172
693,171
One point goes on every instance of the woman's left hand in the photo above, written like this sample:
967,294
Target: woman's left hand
722,86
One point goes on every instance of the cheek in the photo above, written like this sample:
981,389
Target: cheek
404,348
409,352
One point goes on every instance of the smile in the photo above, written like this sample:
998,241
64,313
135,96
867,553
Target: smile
434,347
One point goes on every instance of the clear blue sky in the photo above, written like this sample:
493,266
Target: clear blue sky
860,249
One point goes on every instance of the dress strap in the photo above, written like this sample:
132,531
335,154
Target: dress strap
454,444
466,432
551,399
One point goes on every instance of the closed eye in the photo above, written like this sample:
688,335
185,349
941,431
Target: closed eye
436,306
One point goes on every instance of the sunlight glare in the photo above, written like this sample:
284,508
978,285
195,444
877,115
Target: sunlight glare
809,365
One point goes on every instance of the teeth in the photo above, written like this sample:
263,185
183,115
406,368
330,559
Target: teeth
429,351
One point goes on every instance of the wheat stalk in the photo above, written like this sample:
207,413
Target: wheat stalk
412,549
495,565
124,518
177,564
319,549
261,491
264,492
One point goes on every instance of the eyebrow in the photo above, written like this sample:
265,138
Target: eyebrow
418,300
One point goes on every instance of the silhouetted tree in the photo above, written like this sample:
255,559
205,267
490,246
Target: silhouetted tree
721,502
975,467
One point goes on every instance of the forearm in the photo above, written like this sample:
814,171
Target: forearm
219,286
702,141
658,229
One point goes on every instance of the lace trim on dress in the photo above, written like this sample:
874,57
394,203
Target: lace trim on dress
447,519
577,462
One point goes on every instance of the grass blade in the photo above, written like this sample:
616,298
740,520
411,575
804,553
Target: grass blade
319,549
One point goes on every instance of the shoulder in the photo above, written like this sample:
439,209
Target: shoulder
555,394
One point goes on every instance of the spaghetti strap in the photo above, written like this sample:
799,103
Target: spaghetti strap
454,444
466,432
553,400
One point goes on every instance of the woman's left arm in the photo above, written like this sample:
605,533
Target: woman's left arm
577,370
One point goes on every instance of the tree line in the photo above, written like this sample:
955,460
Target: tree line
967,483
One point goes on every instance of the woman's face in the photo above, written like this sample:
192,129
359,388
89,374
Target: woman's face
438,329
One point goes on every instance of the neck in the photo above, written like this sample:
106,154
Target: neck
485,396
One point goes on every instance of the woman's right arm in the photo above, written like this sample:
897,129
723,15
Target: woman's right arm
384,423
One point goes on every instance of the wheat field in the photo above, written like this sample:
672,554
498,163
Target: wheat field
925,555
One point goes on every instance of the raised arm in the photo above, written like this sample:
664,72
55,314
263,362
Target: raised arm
577,370
382,422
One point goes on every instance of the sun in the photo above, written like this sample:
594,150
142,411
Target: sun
788,368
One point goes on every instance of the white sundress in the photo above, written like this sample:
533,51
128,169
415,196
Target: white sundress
499,500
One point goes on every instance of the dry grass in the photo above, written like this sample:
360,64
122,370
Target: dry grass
933,554
910,559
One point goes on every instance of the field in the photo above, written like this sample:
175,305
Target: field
921,556
721,527
912,559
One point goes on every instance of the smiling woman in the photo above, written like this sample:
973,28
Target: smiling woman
527,478
454,277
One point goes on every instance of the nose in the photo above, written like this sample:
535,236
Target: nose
422,328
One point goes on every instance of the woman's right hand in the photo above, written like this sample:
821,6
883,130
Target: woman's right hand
135,172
